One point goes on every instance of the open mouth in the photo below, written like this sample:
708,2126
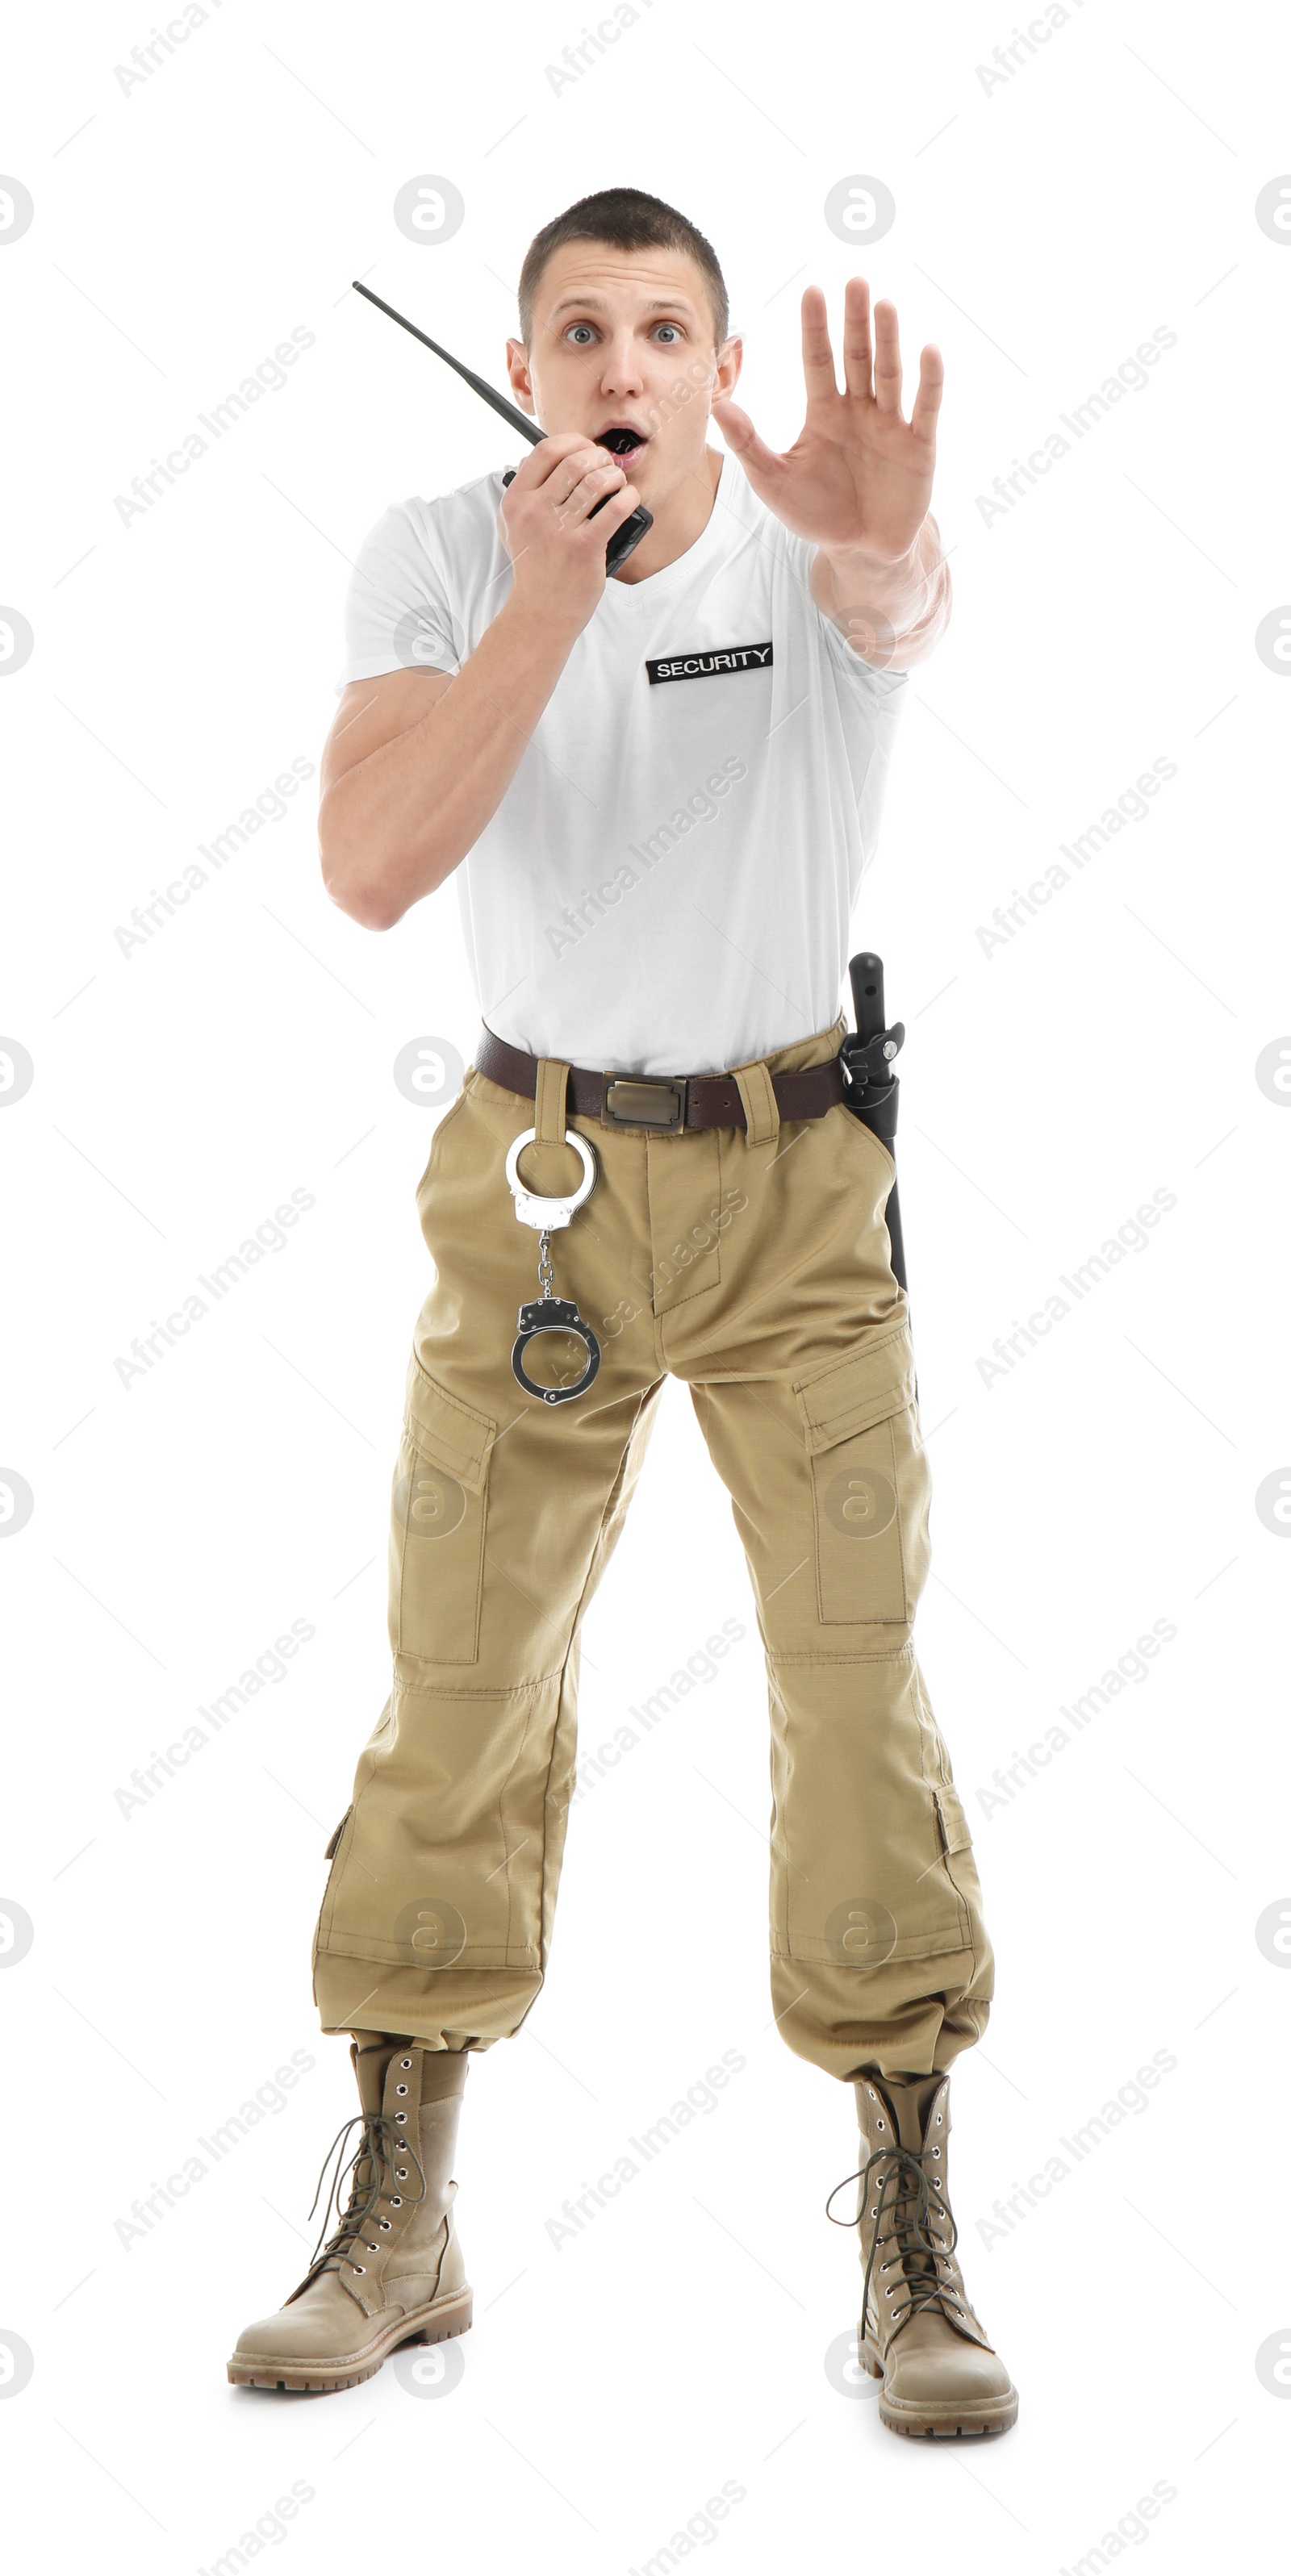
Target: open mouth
622,440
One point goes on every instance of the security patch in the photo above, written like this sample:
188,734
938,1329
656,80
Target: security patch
711,665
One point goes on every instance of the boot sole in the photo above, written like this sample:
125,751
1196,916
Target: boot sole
988,2415
317,2379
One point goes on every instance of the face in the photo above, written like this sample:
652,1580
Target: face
624,341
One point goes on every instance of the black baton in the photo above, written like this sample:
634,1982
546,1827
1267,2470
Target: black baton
865,1060
629,533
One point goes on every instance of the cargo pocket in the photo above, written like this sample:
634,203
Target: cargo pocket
870,1483
438,1510
956,1846
335,1844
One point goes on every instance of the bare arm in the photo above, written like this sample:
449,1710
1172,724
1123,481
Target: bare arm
417,762
892,613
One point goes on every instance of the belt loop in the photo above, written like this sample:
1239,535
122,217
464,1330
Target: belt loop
761,1108
550,1100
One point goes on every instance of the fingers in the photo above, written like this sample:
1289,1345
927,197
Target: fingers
817,352
544,460
858,355
887,359
871,355
620,506
927,401
742,439
562,459
605,484
574,479
609,485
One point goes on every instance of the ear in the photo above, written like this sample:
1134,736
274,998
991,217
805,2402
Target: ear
728,369
520,379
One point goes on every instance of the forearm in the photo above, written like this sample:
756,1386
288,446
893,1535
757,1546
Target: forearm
394,825
908,601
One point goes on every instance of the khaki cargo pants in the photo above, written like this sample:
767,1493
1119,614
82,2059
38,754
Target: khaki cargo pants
755,1267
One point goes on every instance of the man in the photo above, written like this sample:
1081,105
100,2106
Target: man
658,791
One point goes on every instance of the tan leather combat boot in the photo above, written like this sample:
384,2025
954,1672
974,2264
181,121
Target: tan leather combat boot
918,2333
392,2271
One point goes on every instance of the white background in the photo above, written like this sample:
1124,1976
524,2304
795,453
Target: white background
1044,228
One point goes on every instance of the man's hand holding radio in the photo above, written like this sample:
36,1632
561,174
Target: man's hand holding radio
409,782
557,549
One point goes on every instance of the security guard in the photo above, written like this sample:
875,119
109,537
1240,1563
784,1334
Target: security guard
658,792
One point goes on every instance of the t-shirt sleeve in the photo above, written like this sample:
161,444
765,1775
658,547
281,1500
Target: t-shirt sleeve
854,666
868,681
870,678
398,612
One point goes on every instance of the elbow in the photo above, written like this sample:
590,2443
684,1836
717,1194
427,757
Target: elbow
353,887
356,874
368,874
370,905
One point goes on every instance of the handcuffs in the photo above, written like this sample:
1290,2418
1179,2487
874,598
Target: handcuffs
547,1313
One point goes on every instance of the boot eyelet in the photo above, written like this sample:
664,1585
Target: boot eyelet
879,2124
401,2088
405,2062
358,2267
385,2223
401,2173
401,2115
395,2203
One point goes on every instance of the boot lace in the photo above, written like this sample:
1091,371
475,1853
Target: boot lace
377,2145
905,2197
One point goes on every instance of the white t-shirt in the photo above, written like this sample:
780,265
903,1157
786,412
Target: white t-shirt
667,884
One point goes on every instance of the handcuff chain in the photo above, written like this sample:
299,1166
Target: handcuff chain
548,1313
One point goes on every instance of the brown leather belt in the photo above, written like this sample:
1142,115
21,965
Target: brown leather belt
658,1101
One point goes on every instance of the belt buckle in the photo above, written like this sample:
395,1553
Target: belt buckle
632,1100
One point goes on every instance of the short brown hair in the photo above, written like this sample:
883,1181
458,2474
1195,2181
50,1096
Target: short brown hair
624,219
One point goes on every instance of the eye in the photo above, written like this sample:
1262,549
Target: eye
578,326
674,327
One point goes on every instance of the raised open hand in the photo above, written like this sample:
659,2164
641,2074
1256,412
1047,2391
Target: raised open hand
858,476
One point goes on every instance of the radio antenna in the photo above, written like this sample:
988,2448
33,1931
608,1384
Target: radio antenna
629,532
498,402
